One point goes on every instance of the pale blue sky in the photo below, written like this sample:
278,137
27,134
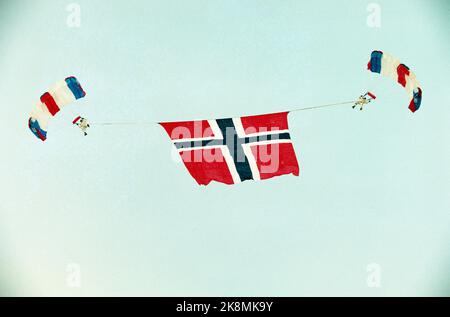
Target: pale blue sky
374,185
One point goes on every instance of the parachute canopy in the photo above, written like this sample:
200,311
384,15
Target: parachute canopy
390,66
60,95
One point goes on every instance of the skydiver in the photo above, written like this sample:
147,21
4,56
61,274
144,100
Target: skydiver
364,100
82,123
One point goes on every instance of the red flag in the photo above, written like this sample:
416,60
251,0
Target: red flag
234,150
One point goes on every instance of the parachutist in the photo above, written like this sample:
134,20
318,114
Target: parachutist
364,100
82,123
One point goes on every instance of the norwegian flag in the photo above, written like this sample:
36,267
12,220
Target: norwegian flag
234,150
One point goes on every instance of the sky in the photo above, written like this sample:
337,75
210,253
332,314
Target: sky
114,214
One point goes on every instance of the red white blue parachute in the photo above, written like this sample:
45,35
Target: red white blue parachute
60,95
387,65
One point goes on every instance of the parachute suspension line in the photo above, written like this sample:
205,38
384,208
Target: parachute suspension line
154,123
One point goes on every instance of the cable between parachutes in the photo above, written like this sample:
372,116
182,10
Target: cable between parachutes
324,106
292,110
122,123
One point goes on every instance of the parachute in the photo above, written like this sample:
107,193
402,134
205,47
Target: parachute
60,95
387,65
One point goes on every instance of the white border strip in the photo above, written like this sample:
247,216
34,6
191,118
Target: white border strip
269,142
231,166
195,139
251,161
208,147
239,127
215,129
267,133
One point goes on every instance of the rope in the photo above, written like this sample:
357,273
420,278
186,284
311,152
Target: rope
324,106
152,122
122,123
